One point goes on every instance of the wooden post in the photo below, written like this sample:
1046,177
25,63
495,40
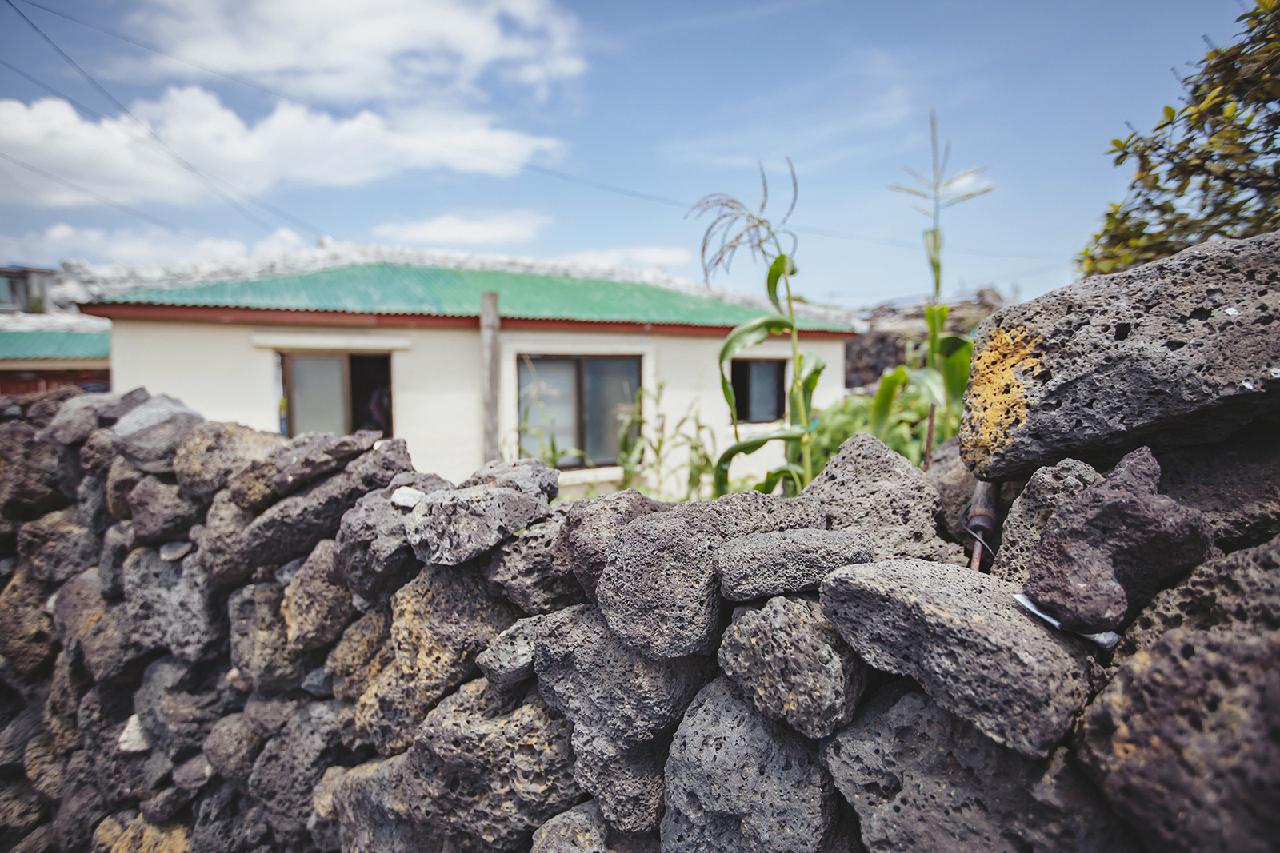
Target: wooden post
490,358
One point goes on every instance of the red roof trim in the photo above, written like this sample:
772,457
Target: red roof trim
290,317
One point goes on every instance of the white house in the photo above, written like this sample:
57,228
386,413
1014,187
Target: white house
402,346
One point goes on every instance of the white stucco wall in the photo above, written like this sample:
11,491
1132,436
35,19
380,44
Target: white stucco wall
228,372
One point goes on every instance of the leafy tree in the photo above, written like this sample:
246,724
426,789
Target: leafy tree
1211,167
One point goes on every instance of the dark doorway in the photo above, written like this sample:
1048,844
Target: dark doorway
371,392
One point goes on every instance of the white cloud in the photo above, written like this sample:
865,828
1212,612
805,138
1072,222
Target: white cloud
138,246
657,257
354,52
516,226
291,145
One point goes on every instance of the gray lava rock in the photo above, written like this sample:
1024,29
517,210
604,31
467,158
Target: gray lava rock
291,763
788,660
260,649
360,655
450,527
174,712
954,482
490,769
315,609
960,634
1236,484
122,478
869,488
589,675
660,593
221,543
530,476
508,660
149,434
32,473
736,781
579,830
766,564
291,527
923,779
1183,740
627,781
293,466
1046,491
231,747
76,418
159,512
535,569
1103,555
57,546
374,555
1175,352
1240,590
441,620
215,452
170,605
27,641
374,813
592,527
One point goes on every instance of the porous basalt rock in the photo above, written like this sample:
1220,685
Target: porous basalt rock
592,527
785,561
214,453
534,569
374,556
922,779
1175,352
1240,590
660,593
441,620
626,780
315,609
149,434
590,676
260,649
170,605
582,829
736,781
359,655
57,546
868,488
231,747
293,466
27,639
159,511
1235,483
1046,491
788,660
451,527
1103,555
290,764
1184,747
933,622
508,660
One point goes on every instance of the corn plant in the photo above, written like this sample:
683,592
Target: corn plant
736,227
649,452
939,372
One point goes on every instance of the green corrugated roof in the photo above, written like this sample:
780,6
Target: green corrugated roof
54,344
384,288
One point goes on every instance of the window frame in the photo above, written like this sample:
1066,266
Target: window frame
286,357
579,412
742,403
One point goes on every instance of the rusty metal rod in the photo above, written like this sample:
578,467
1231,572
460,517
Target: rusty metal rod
981,521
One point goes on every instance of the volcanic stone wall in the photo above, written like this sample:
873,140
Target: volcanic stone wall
218,639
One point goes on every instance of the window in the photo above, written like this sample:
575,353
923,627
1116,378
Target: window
572,406
759,389
335,392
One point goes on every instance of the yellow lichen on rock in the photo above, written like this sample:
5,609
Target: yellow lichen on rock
139,836
996,402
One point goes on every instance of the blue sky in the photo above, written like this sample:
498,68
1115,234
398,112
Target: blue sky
428,122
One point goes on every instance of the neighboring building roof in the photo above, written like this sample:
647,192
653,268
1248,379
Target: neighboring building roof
410,290
54,337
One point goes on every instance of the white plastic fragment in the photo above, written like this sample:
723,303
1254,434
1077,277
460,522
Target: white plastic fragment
1105,639
133,739
407,497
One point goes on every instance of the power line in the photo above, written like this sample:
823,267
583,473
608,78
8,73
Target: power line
101,199
83,107
557,174
178,158
234,78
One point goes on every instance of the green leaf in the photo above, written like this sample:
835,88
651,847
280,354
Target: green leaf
781,266
929,383
742,338
789,471
891,382
750,445
955,372
1169,113
811,367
